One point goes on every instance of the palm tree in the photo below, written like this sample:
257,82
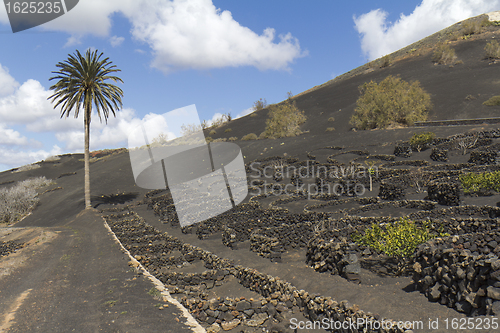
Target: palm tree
81,83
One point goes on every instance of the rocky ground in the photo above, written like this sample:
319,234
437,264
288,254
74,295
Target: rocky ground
288,257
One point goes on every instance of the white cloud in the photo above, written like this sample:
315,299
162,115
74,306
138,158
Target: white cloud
116,41
28,104
7,83
74,40
92,17
12,158
245,112
11,137
182,34
195,34
379,37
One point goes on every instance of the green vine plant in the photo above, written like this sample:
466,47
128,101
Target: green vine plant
399,239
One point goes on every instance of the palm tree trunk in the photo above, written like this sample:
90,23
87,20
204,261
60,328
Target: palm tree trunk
87,159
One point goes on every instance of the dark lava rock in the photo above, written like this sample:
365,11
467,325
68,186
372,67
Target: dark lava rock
483,157
439,155
391,192
403,150
446,194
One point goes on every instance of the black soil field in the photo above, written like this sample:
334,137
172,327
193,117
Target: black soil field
285,258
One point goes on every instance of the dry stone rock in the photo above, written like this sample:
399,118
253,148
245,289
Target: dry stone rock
229,325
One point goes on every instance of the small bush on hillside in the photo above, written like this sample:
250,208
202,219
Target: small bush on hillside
494,101
330,129
227,130
191,129
471,27
217,122
27,167
284,120
188,129
233,138
391,102
386,61
260,104
399,239
492,50
421,141
250,136
19,200
53,158
444,55
212,132
331,119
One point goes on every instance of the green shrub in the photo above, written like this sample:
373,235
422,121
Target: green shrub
398,239
391,102
471,27
330,129
421,141
284,120
386,61
209,139
444,55
331,119
480,182
250,136
492,50
493,101
212,132
227,130
260,104
233,138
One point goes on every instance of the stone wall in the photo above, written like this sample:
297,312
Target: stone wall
278,297
462,272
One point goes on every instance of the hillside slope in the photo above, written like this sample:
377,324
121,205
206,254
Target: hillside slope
457,91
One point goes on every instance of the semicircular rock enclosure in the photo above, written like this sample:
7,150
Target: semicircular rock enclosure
387,241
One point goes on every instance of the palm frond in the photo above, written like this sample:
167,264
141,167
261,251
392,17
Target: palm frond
81,83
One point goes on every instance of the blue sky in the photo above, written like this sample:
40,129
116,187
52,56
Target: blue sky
220,55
